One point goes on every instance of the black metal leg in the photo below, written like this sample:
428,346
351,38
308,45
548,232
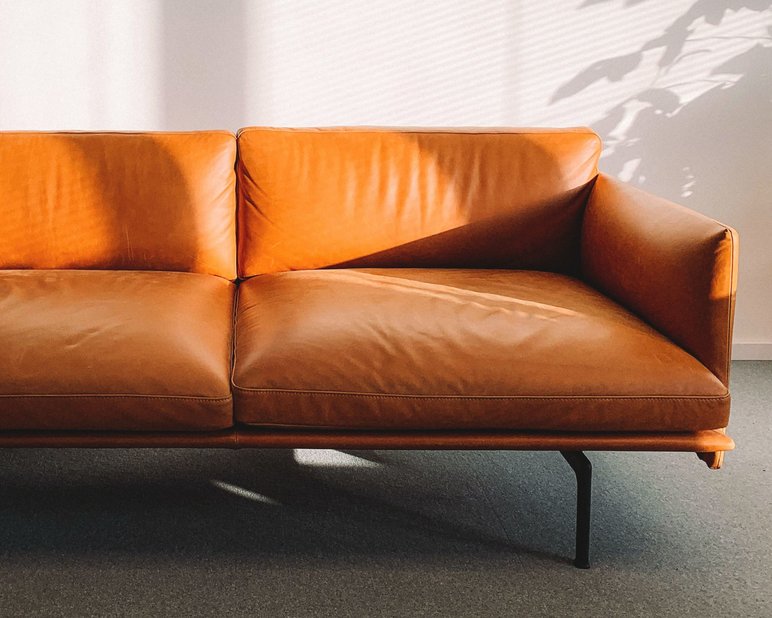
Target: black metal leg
583,470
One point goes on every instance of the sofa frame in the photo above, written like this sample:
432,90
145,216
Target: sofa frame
697,319
709,446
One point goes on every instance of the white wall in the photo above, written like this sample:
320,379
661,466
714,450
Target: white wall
680,90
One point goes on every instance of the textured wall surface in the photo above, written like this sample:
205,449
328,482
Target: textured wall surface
681,91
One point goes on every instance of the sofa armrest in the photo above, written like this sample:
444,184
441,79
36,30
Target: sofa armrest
675,268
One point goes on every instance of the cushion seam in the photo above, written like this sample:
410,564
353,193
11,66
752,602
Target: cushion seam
263,391
474,430
33,133
117,396
730,316
400,130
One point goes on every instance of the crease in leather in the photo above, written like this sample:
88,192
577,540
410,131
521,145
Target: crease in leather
119,201
401,287
335,342
234,320
417,184
626,228
115,350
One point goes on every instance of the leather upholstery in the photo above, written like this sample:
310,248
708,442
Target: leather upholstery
313,198
675,268
138,201
440,353
114,351
414,349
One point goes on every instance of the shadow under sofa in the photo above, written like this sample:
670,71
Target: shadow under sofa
356,288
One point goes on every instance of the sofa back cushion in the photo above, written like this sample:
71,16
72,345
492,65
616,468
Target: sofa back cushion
360,197
135,201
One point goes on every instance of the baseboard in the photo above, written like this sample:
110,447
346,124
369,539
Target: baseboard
752,351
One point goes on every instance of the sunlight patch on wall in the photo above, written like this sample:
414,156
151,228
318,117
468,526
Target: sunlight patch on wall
576,65
681,93
383,62
81,64
565,77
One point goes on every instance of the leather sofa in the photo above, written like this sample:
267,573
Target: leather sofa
356,288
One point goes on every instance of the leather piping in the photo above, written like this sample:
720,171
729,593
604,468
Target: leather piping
116,396
195,132
730,304
477,397
424,131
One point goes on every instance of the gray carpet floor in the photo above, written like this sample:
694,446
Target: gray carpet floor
329,533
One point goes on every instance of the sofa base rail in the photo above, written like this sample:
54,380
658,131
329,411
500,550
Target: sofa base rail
705,443
709,446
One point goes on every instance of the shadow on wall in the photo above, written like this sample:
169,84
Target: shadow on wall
204,64
645,134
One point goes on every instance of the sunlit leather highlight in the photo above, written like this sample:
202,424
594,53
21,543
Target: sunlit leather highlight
459,349
115,350
312,198
140,201
674,267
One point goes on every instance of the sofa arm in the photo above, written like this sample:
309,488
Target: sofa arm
675,268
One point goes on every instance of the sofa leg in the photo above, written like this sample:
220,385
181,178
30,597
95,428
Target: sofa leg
583,470
714,460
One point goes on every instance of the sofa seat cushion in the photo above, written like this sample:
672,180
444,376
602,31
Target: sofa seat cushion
415,349
115,350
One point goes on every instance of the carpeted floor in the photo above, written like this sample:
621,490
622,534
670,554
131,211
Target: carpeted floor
326,533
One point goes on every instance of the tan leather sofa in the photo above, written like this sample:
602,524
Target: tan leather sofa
356,288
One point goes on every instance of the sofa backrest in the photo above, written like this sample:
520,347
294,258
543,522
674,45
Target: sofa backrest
360,197
139,201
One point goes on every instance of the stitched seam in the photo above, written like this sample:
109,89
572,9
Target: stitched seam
729,306
264,391
233,336
476,432
33,132
407,130
120,396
